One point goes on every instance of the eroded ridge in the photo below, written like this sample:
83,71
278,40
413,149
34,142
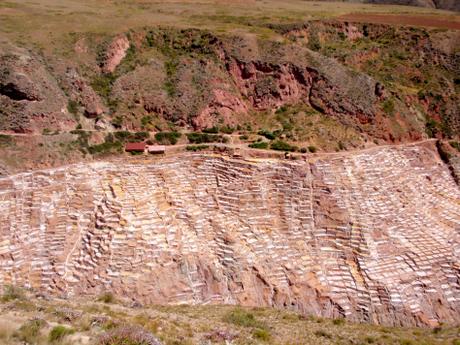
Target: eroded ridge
373,236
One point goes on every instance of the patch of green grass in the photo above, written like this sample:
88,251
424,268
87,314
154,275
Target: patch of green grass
58,333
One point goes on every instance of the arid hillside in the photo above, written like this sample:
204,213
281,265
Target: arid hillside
307,74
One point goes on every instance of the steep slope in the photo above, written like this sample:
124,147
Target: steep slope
369,235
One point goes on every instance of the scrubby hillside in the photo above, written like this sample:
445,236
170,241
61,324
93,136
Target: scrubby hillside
105,319
451,5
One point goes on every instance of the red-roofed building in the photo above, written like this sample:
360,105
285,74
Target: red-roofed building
135,147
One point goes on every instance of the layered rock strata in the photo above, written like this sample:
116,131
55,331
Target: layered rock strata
372,236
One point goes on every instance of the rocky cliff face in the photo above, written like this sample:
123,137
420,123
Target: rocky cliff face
372,236
30,97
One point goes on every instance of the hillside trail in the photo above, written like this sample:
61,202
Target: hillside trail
232,145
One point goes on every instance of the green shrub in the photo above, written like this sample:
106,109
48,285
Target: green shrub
5,140
106,147
72,107
146,120
303,150
211,130
59,332
199,138
259,145
102,84
431,128
312,149
117,121
244,137
128,335
243,318
388,107
195,148
338,322
30,331
280,145
369,340
261,334
267,134
107,297
323,334
226,129
455,145
11,293
167,138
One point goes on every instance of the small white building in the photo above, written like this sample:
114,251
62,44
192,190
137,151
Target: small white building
156,149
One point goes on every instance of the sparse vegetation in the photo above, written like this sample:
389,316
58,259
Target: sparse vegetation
243,318
259,145
195,148
29,332
11,293
58,333
199,138
72,107
5,140
127,335
267,134
106,297
167,138
280,145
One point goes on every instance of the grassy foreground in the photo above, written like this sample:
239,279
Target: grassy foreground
26,318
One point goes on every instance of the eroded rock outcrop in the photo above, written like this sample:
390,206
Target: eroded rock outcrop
30,98
372,236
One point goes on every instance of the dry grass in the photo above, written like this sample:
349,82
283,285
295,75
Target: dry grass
46,23
199,324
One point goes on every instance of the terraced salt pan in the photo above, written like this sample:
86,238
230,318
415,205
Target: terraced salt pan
373,236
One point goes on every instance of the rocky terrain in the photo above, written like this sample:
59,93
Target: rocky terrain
369,236
309,190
